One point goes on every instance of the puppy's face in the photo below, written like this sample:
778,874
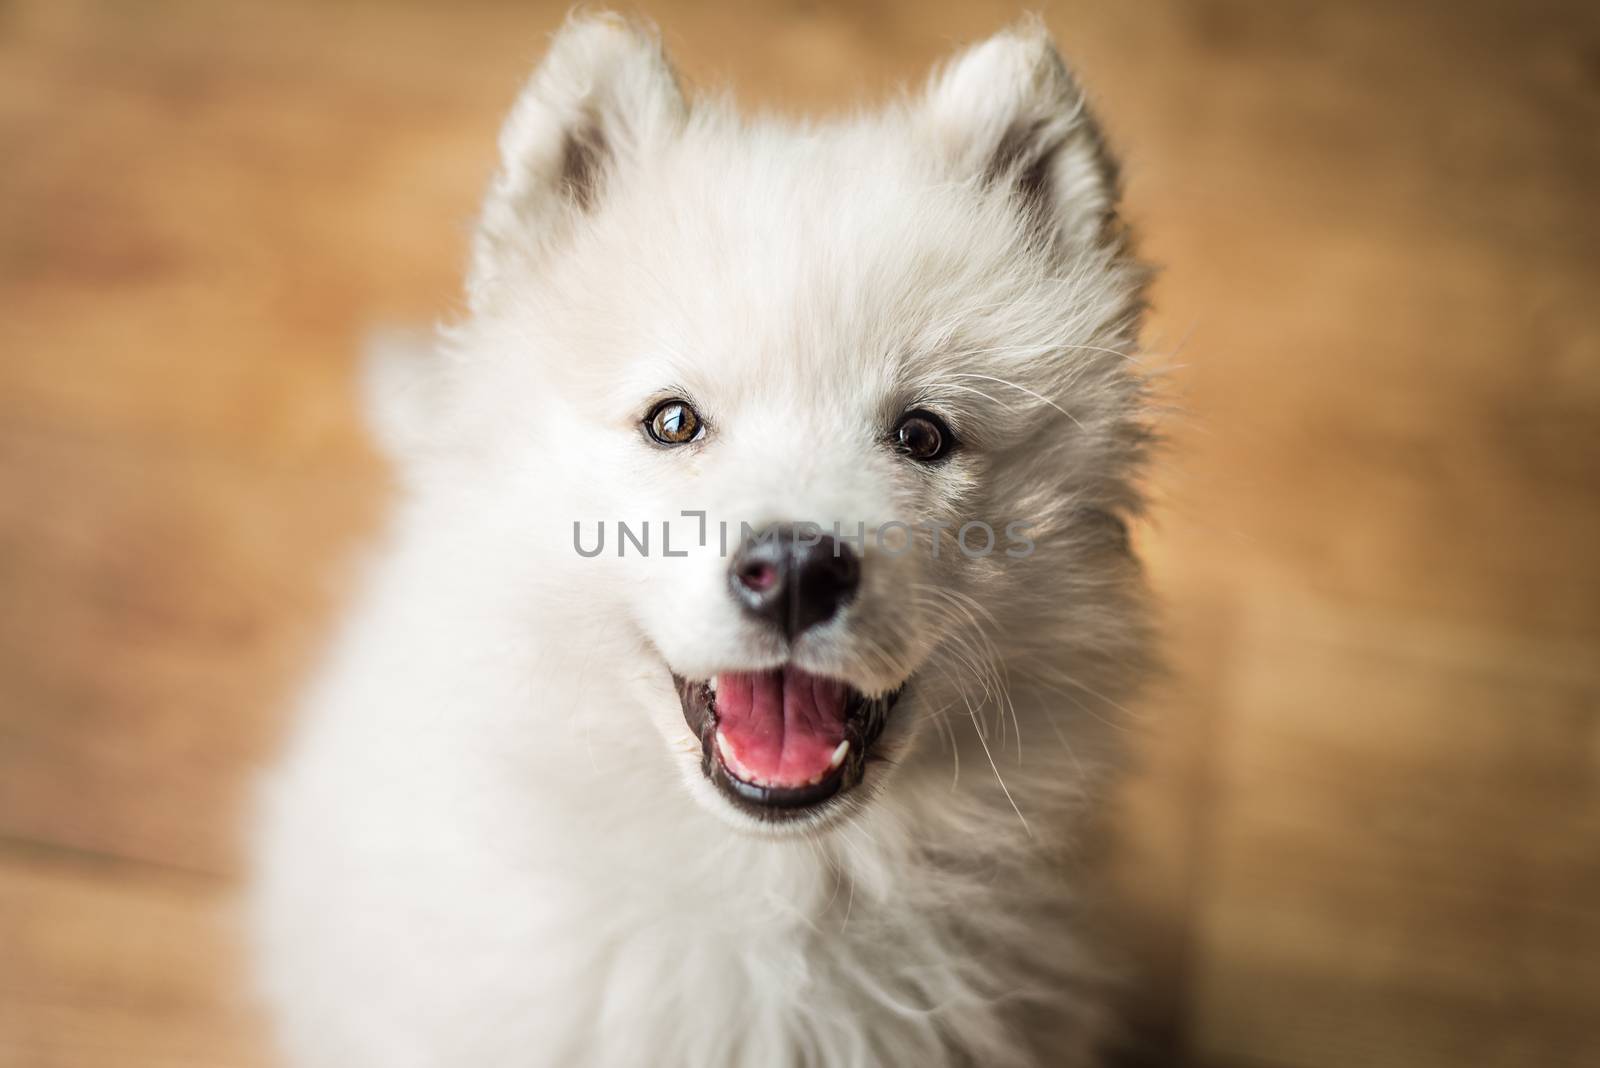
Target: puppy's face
844,409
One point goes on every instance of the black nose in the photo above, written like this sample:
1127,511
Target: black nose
794,577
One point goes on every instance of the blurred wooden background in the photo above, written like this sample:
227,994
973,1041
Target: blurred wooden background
1368,828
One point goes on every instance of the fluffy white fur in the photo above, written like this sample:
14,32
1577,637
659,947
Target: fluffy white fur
490,842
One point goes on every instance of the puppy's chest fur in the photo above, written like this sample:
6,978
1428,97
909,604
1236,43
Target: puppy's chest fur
893,941
933,963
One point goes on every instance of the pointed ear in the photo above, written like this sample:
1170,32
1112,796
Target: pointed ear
1007,112
603,97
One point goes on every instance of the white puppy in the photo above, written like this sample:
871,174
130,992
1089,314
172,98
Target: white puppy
791,770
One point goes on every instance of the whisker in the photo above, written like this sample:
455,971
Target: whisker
1024,389
1000,778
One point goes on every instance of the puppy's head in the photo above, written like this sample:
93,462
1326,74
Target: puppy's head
846,409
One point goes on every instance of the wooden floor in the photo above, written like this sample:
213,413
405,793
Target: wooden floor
1368,827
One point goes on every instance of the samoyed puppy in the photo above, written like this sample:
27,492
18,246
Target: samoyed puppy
748,643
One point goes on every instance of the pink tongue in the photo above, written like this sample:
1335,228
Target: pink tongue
779,728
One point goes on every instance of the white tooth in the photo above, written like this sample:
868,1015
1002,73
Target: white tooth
730,760
839,754
711,684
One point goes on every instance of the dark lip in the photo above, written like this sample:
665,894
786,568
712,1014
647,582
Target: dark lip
865,719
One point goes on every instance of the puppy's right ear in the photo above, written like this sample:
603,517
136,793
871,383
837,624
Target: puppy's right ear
603,97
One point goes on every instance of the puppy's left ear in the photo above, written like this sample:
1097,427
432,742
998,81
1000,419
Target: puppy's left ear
1007,113
602,99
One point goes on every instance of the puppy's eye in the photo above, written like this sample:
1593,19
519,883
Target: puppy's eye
923,436
673,422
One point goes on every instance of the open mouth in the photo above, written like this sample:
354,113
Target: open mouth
780,743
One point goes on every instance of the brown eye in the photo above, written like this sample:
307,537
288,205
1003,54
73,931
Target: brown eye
673,422
923,436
